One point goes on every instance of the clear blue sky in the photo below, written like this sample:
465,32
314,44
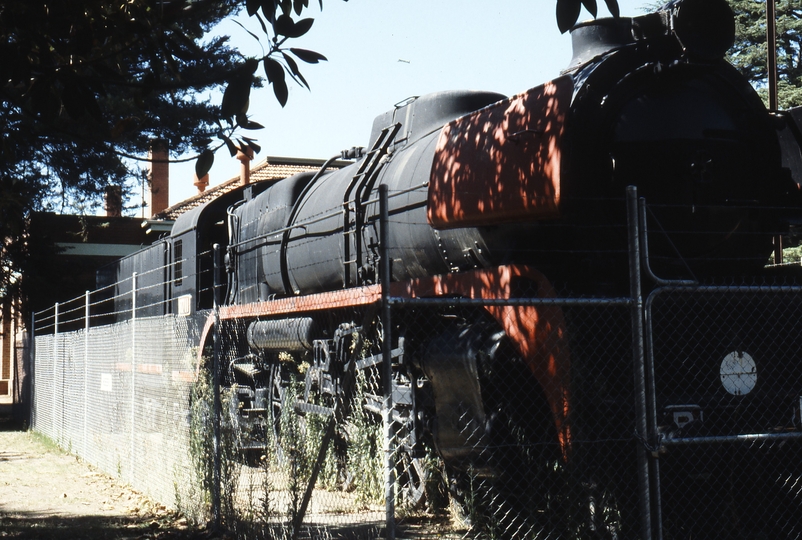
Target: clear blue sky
381,52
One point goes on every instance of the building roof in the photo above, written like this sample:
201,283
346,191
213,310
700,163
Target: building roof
272,168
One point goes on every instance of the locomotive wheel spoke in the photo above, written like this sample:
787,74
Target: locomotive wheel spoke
412,476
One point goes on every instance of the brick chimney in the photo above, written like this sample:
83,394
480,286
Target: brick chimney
157,192
201,183
113,201
245,158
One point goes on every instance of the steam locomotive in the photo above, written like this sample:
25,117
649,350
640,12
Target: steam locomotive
490,198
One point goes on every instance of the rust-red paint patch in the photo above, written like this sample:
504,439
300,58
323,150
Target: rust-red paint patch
538,332
501,163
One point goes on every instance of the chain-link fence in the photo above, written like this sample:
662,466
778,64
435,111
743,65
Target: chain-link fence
118,396
727,386
486,438
481,404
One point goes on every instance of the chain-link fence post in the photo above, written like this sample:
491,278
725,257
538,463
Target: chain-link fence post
32,375
217,406
648,342
55,371
86,370
387,348
133,375
638,361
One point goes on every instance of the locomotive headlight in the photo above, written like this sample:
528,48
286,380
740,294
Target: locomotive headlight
738,373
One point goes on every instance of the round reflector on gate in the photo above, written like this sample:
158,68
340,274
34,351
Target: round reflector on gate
738,373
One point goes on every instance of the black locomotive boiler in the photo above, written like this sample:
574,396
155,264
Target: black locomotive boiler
491,198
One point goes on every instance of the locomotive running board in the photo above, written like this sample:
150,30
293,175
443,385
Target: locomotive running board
538,332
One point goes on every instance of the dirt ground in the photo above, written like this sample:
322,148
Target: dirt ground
47,494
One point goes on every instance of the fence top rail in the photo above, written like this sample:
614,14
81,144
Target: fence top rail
461,301
719,439
713,289
49,317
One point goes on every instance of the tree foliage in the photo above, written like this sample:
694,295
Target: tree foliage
86,84
749,55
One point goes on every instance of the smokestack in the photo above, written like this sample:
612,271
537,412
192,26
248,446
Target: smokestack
157,193
113,201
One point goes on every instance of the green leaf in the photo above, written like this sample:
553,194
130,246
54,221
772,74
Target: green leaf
254,36
567,13
252,6
261,23
269,10
245,123
204,163
275,74
235,98
250,124
294,69
273,70
302,27
612,6
281,91
232,148
310,57
283,25
590,5
250,144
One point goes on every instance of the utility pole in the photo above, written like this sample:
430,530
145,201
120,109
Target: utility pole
771,45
